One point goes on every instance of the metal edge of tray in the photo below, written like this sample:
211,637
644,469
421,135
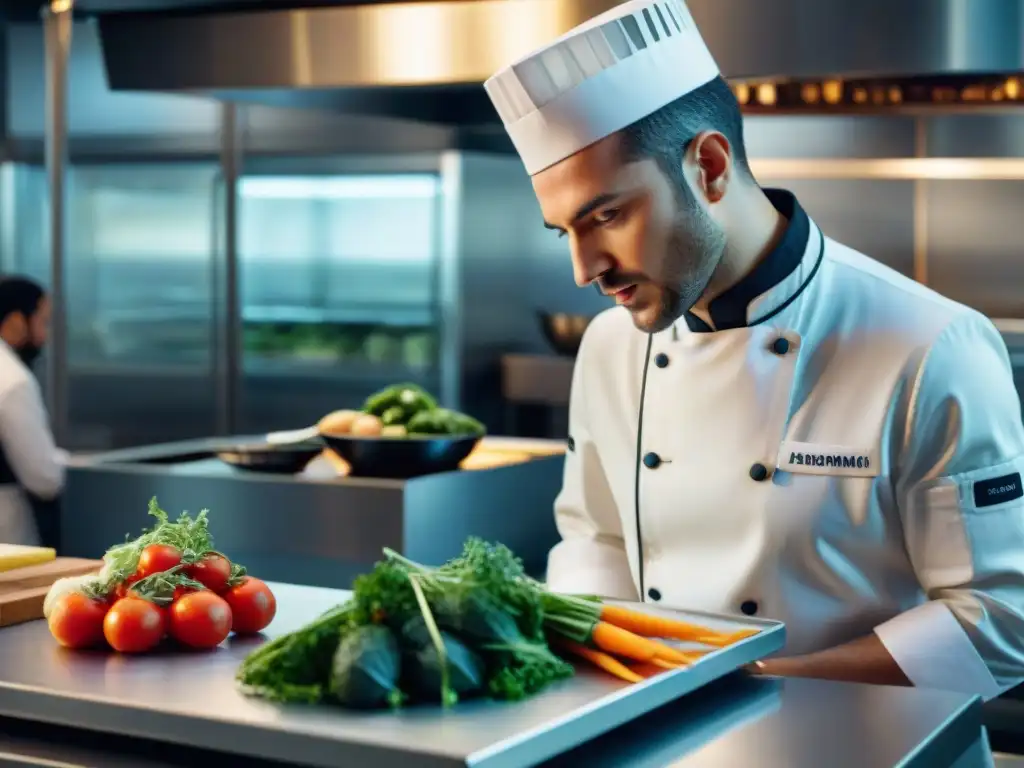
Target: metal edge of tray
962,727
627,704
21,702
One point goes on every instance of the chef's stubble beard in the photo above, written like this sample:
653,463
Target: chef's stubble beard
694,252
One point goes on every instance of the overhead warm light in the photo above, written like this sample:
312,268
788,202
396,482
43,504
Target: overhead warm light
810,92
832,91
909,168
766,94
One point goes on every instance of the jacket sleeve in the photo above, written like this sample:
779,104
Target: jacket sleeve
591,558
961,502
27,441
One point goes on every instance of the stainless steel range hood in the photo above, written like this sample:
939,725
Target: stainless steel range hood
426,60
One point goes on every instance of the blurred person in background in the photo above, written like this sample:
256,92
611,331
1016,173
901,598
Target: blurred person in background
31,466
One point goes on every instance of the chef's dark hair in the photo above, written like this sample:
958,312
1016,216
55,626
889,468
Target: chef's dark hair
663,135
19,294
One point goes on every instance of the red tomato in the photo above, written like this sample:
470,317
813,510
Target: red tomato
122,590
76,621
252,606
180,592
157,558
200,620
213,572
134,625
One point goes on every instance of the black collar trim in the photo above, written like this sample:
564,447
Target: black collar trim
730,309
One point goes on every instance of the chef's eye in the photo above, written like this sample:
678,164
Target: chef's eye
607,216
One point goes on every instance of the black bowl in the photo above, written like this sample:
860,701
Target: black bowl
564,332
401,457
289,459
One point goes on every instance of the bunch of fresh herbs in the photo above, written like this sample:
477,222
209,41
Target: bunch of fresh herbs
473,626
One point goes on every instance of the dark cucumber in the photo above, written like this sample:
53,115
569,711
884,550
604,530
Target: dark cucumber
422,665
474,614
366,668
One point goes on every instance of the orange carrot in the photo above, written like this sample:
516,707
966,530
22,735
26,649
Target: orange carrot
621,642
647,670
602,661
650,625
662,664
694,655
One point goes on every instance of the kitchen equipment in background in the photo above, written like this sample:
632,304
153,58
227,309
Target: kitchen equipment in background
401,457
563,331
278,459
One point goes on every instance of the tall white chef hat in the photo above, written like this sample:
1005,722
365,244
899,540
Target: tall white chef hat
599,78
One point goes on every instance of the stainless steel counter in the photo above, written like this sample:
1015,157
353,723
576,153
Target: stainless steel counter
185,705
314,528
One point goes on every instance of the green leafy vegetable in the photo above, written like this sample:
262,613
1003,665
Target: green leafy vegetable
189,536
474,624
399,403
441,421
295,667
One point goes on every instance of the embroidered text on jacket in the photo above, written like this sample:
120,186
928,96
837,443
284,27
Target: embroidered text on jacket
829,460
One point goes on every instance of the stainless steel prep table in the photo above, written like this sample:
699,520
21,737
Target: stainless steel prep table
186,702
314,528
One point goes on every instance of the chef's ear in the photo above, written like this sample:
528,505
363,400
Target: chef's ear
712,156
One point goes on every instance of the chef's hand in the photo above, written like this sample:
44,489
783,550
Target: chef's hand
864,660
767,668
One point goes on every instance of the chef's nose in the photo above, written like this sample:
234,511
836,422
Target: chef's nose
589,263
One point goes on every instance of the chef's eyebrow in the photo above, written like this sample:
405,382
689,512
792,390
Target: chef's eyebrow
589,207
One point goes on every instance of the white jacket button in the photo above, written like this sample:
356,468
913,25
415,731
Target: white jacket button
652,460
654,593
749,607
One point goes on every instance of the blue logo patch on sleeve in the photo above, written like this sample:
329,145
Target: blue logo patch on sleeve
987,493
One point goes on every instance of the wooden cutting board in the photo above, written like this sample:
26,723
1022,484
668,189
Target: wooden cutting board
23,590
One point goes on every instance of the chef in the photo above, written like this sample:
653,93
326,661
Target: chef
769,423
31,467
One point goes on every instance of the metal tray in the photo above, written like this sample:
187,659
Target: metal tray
190,699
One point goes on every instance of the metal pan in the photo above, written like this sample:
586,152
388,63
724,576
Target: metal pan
272,459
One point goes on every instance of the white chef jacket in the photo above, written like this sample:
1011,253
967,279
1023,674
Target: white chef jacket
28,450
843,452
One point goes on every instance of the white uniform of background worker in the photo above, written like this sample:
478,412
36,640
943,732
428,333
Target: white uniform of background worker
773,424
30,463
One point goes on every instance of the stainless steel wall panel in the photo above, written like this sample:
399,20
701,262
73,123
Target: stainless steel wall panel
874,217
832,136
975,231
93,108
977,135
